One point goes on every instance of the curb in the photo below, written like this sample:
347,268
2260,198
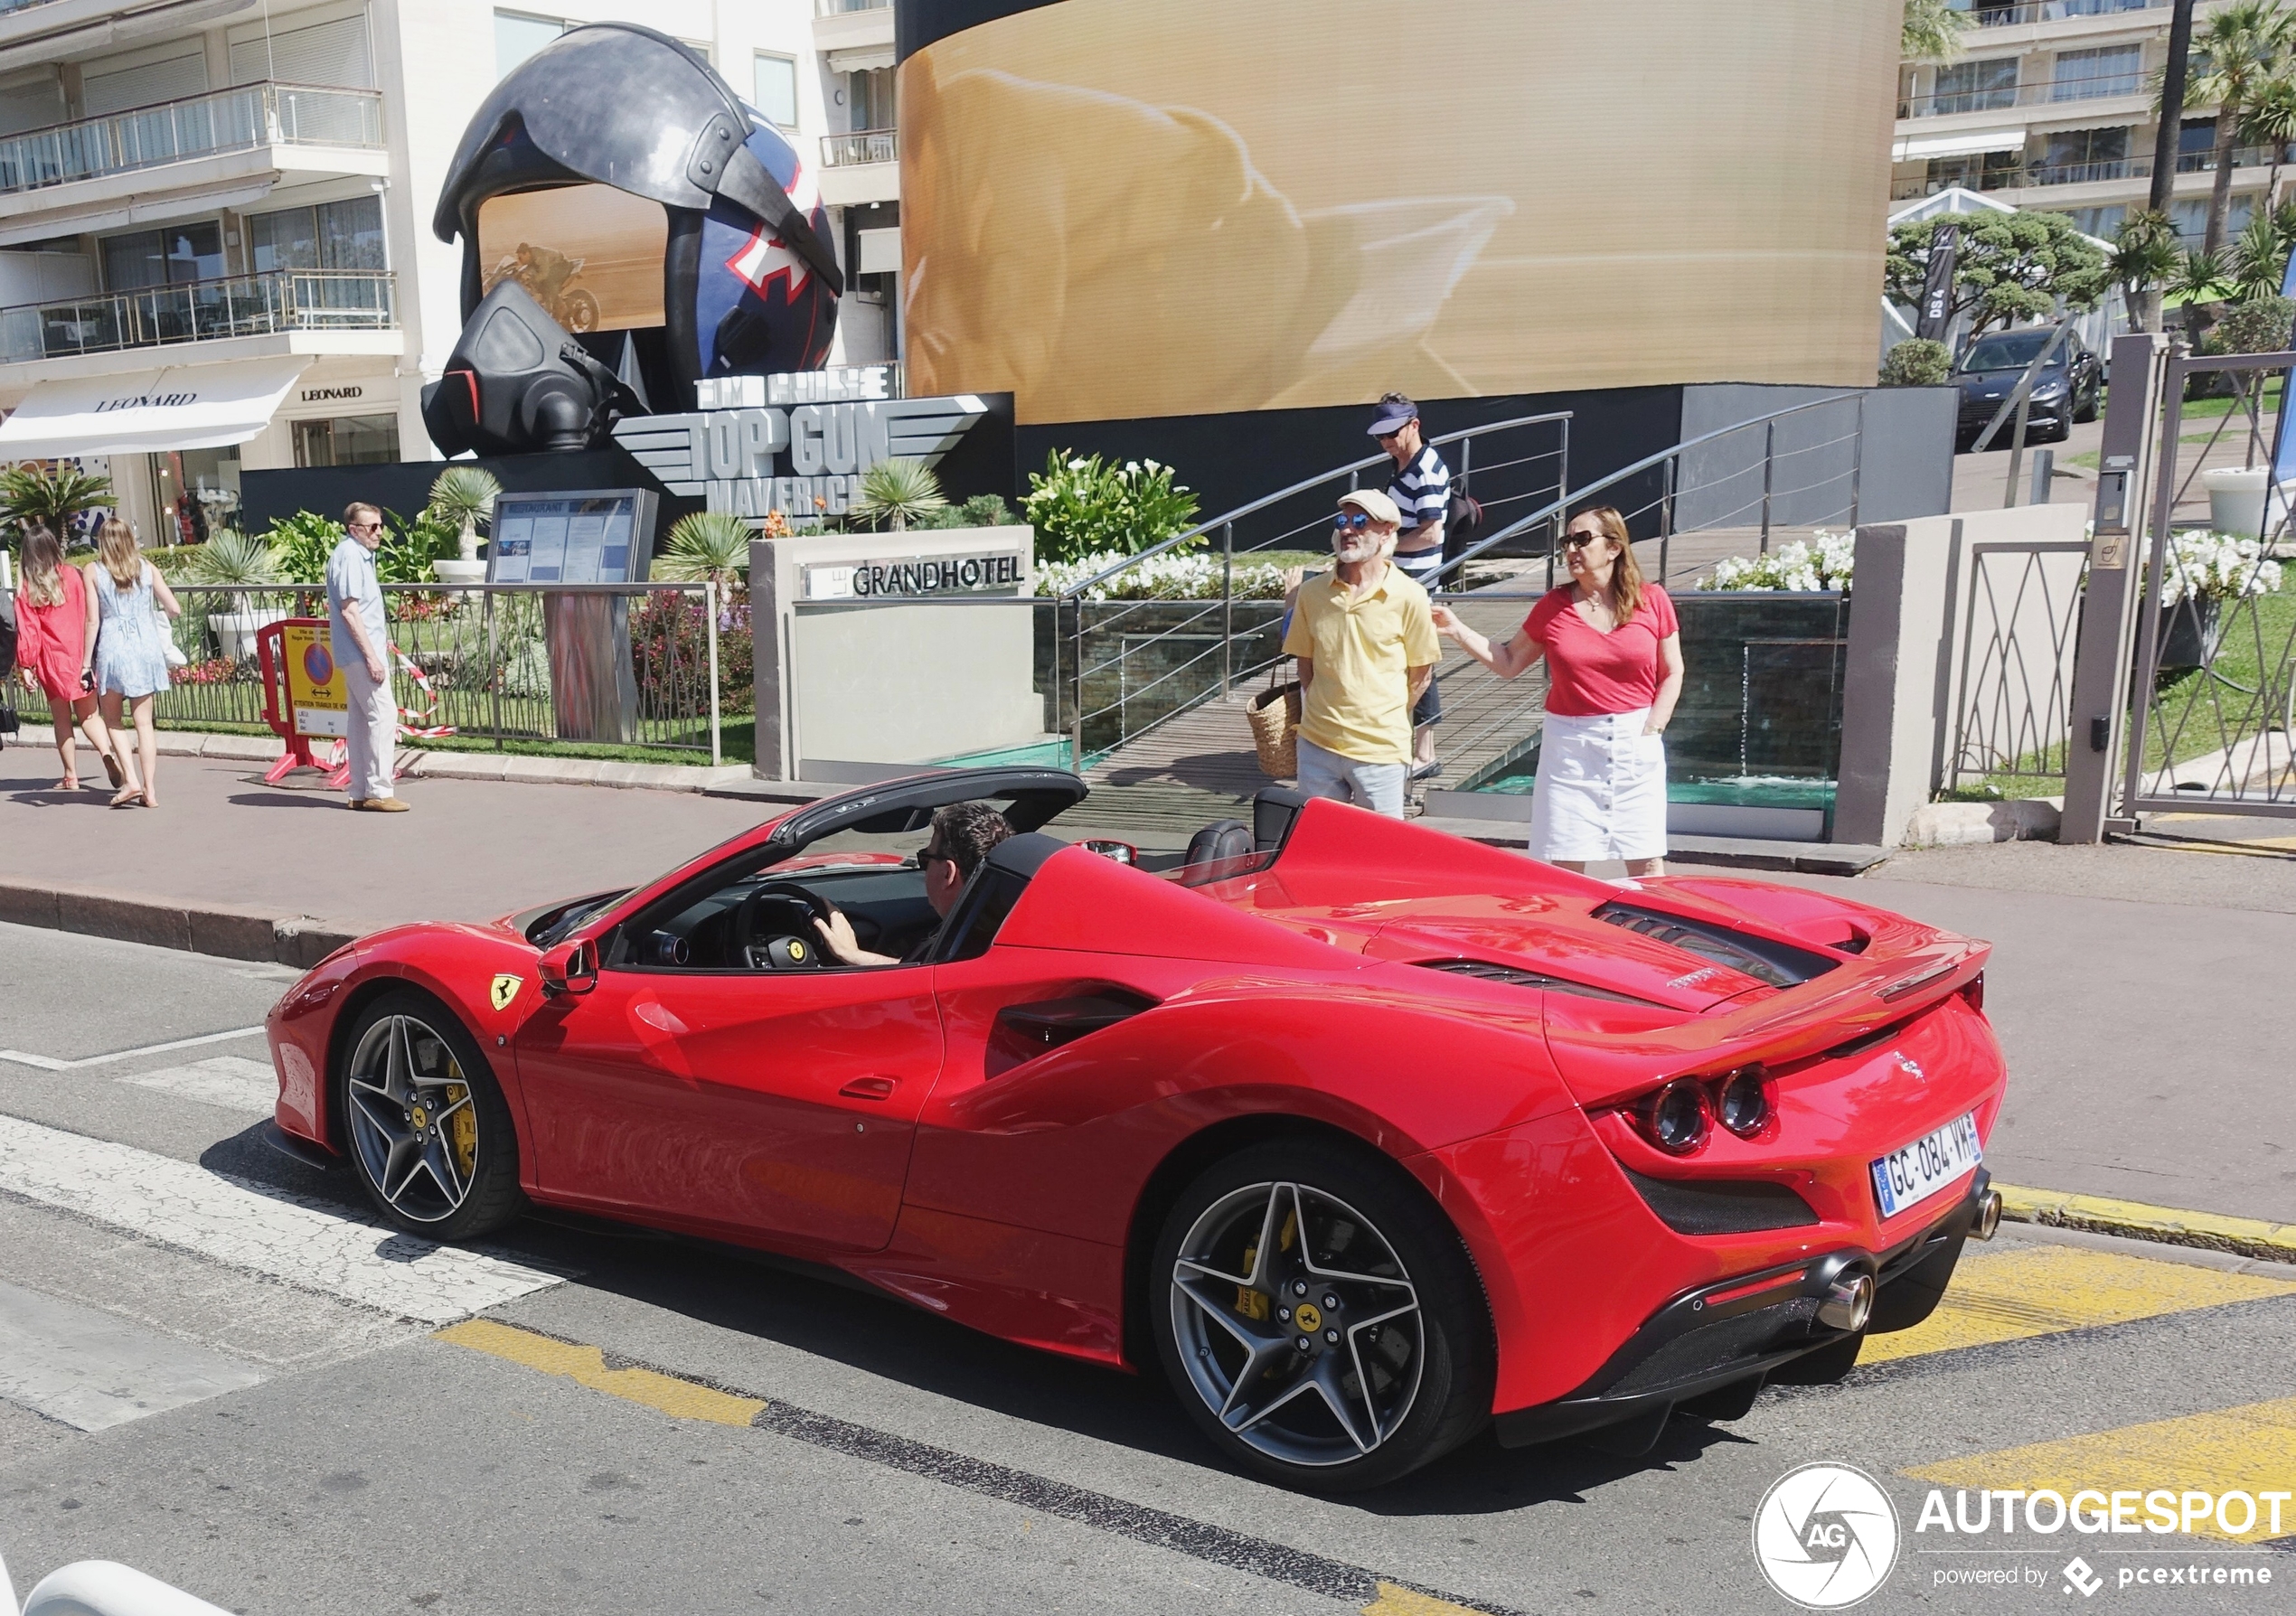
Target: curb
416,764
227,934
2210,1231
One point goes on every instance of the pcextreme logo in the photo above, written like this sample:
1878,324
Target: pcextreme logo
1826,1535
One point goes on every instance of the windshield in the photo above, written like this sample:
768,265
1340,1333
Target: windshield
2011,351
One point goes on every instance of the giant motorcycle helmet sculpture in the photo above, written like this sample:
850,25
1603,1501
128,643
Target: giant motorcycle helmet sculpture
749,280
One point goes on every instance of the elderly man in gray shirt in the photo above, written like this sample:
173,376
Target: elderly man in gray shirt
361,643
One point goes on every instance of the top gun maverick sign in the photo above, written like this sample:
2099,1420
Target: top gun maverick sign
798,443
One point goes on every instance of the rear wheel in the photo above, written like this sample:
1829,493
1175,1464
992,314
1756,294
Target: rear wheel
429,1135
1322,1322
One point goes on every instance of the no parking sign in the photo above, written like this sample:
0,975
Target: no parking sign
318,700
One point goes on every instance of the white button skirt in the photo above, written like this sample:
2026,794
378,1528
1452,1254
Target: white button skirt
1601,790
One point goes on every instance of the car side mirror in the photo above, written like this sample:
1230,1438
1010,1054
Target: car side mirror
1122,852
570,967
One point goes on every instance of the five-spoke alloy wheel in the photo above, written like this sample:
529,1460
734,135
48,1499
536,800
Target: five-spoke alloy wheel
426,1125
1321,1321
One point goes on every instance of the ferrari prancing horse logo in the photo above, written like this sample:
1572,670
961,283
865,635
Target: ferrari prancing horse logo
505,990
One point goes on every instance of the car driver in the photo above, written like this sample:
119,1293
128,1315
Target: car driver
962,835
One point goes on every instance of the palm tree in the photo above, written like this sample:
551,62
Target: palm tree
2238,50
1931,31
2258,259
2145,256
465,495
32,494
709,544
898,491
2197,279
2271,120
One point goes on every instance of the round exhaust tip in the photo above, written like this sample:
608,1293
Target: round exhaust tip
1849,1303
1989,1215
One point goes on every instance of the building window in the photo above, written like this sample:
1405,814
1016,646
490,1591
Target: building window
2108,71
2100,223
869,96
1991,170
2191,218
2075,156
348,441
344,235
776,87
518,36
164,258
195,492
1975,86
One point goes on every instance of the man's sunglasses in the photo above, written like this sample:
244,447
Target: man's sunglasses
928,858
1351,521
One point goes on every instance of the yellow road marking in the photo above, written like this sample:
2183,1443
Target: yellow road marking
2013,1292
586,1366
1402,1602
2251,1450
2249,1236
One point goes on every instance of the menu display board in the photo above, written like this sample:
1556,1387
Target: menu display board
598,537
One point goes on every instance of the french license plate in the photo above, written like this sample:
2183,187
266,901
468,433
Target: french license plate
1918,1170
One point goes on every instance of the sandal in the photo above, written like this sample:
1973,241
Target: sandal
126,796
111,766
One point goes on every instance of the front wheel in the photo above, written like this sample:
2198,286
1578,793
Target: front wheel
431,1138
1321,1320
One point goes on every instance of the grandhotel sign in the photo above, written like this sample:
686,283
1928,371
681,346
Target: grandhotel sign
794,444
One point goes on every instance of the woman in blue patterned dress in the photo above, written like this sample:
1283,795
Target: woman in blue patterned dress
131,654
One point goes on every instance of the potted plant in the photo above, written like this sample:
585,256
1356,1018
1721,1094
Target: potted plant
463,497
2205,570
232,559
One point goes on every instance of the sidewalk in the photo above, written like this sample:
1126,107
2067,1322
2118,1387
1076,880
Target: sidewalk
2142,992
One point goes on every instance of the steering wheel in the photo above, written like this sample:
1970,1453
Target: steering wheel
774,929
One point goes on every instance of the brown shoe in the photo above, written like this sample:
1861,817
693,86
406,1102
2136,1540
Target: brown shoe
380,805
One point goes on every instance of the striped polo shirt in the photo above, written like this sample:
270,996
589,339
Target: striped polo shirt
1422,490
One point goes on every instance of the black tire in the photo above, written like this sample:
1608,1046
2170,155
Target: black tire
453,1180
1430,1371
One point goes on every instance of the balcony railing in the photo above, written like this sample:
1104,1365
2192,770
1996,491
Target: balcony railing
863,146
2072,173
223,120
234,305
9,5
2052,11
838,8
2021,95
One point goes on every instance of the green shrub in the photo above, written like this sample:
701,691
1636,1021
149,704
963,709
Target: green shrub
231,557
302,542
899,491
1917,362
1082,505
982,510
2260,326
708,544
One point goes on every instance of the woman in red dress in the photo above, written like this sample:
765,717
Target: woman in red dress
55,638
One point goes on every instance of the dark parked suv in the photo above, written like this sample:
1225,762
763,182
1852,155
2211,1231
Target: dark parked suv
2066,392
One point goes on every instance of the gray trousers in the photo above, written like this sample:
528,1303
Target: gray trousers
373,732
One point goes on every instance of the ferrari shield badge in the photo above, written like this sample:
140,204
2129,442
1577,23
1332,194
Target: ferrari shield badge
505,990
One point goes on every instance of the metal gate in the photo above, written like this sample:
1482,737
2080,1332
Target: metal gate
2212,697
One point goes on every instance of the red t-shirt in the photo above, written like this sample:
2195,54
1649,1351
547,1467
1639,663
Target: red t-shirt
1589,672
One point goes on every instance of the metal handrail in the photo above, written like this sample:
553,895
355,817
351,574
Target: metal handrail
2037,92
856,147
195,311
225,120
1264,501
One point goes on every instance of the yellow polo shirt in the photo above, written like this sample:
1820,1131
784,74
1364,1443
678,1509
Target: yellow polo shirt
1364,646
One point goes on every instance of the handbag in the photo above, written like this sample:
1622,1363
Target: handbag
1275,715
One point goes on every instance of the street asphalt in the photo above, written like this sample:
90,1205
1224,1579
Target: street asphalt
215,1368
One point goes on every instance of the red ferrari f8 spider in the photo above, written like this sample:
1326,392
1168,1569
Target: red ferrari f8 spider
1368,1136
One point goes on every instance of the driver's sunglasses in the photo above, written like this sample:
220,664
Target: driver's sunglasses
1351,521
928,858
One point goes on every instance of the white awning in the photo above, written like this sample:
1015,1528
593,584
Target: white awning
180,406
1956,145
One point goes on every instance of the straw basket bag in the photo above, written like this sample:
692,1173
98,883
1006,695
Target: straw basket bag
1274,713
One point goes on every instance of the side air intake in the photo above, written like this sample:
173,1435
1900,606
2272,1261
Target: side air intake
1780,964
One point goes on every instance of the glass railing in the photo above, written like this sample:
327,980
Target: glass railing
1945,103
7,7
863,146
223,120
2050,11
200,310
838,8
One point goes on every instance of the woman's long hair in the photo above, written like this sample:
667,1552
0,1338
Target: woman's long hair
43,568
1626,577
116,543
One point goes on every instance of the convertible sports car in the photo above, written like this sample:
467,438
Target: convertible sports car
1367,1135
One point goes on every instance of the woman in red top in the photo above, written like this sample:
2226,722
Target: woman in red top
55,637
1613,655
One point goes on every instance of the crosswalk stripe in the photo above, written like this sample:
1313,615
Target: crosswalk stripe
230,1081
93,1371
307,1243
2014,1292
2251,1449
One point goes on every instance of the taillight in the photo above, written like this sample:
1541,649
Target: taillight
1742,1104
1975,991
1676,1118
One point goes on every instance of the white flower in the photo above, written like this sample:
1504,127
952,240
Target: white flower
2216,567
1077,464
1131,468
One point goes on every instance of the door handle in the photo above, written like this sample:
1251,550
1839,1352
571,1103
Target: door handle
869,1088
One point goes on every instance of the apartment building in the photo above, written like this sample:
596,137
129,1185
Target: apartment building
229,201
2050,105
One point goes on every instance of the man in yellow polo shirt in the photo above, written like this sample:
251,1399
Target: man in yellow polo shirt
1367,646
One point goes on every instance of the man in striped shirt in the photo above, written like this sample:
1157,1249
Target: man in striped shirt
1421,490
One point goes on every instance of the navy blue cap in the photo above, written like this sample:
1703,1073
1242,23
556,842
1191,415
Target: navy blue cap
1392,417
